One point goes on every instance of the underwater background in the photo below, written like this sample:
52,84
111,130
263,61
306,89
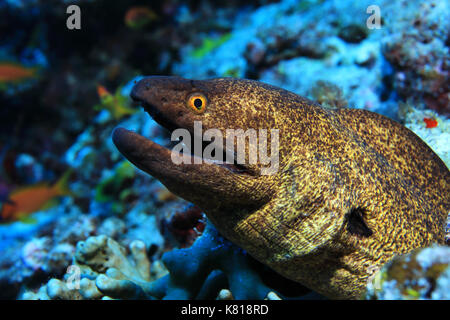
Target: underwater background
63,91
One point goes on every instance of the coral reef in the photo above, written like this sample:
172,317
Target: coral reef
63,92
421,274
211,268
105,270
314,41
202,270
328,95
436,136
185,225
416,44
33,252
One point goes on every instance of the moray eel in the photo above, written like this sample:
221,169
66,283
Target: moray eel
353,188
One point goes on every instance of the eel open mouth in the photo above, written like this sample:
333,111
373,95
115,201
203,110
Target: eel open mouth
119,136
156,114
197,183
211,184
157,160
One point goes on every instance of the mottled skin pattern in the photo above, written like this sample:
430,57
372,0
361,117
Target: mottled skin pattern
353,189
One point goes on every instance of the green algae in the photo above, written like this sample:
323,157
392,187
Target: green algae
209,44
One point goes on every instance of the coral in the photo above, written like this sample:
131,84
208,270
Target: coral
34,253
436,137
314,48
76,218
225,294
353,33
203,271
37,259
416,44
31,252
328,95
106,271
142,226
285,45
421,274
29,169
112,227
74,228
191,270
54,289
185,225
58,256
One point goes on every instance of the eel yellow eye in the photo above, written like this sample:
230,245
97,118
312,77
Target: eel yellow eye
197,102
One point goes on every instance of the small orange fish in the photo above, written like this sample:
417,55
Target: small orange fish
137,17
11,72
102,91
430,123
27,200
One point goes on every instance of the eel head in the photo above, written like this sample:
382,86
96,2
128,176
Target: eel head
215,186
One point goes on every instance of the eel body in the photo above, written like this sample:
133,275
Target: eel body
352,188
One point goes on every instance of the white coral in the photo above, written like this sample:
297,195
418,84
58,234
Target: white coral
106,270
